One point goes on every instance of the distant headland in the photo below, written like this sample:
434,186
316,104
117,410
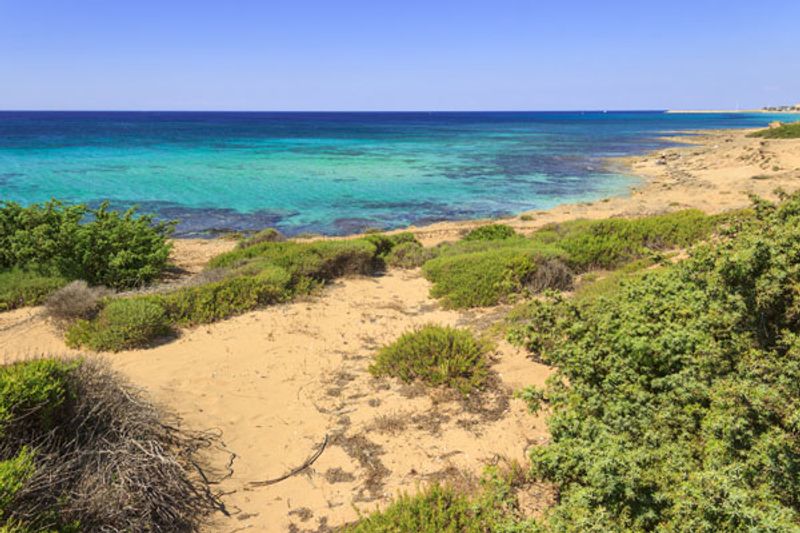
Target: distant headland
767,109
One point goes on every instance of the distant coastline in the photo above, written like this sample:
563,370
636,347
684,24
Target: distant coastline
742,111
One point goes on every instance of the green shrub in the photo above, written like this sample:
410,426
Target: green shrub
609,243
100,246
784,131
14,473
437,509
491,232
265,235
484,278
491,506
318,260
475,272
674,404
409,255
123,324
35,390
436,355
19,288
215,301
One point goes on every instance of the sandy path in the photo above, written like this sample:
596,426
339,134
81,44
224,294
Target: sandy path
277,381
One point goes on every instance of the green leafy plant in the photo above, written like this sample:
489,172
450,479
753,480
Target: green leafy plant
265,235
478,272
100,246
674,404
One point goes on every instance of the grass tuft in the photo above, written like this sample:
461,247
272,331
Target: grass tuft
437,356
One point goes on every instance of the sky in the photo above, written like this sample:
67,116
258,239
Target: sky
398,55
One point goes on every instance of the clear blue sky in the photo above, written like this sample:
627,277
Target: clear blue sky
398,55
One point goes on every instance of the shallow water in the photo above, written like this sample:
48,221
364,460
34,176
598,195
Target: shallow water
331,173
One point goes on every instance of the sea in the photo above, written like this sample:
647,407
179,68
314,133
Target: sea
330,173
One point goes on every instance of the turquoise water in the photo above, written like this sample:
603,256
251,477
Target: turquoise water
333,173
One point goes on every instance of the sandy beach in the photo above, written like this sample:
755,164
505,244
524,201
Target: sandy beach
281,382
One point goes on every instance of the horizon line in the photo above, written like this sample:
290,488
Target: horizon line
598,110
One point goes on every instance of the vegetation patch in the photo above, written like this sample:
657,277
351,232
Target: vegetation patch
265,235
75,301
476,273
100,246
45,246
492,505
491,232
674,404
784,131
244,279
409,255
123,324
81,450
437,356
20,288
486,274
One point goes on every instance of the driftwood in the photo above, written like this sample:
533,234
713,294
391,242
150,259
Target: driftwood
308,462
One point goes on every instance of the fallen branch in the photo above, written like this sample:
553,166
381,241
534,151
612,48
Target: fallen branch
308,462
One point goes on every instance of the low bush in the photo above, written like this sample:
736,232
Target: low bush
19,288
265,235
101,246
674,403
488,277
784,131
82,450
75,301
236,282
491,506
123,324
222,299
491,232
318,260
437,356
477,272
409,255
610,243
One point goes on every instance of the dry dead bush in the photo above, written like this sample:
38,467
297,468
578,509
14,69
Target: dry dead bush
74,301
550,274
111,461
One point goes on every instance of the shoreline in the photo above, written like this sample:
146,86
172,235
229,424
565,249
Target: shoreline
710,170
719,163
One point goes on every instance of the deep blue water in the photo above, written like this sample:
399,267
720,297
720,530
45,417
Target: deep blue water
332,173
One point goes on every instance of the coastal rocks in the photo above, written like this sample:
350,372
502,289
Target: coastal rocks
775,124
